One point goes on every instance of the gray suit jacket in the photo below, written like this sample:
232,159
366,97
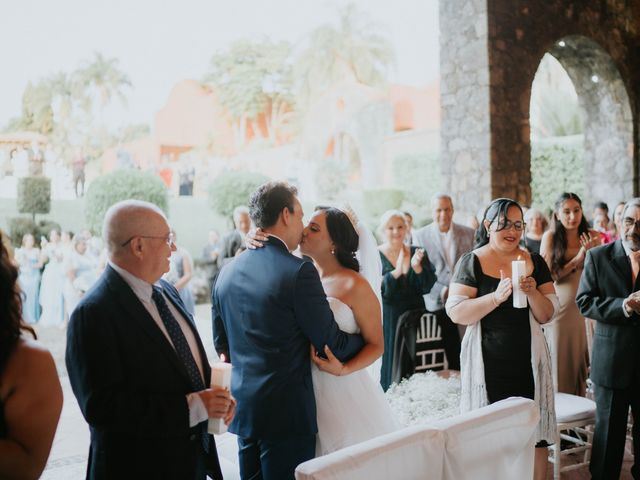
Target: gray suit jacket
429,238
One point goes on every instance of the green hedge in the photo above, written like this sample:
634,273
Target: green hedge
34,195
557,166
380,200
418,176
122,185
232,189
20,226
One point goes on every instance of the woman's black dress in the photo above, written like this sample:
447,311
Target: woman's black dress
506,333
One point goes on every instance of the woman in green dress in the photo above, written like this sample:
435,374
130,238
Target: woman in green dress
407,275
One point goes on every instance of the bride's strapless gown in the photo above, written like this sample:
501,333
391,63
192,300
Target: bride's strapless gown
352,408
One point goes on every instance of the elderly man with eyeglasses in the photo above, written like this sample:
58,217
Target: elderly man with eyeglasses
608,293
136,361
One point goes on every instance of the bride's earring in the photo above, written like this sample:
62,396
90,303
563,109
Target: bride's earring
333,251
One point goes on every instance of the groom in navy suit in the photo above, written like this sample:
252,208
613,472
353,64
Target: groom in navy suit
268,307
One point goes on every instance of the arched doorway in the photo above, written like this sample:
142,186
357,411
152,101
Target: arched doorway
606,145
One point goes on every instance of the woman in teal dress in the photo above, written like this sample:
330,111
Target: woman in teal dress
407,275
28,257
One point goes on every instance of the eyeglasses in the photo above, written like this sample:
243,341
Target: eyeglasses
507,224
630,222
169,238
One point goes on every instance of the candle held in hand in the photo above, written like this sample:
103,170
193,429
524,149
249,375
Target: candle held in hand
220,377
518,269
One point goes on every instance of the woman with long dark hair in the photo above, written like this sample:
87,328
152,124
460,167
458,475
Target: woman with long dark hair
502,342
30,392
564,248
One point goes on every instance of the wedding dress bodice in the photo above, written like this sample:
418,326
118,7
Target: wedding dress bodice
350,408
343,315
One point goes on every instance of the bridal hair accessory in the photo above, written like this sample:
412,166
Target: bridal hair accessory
351,215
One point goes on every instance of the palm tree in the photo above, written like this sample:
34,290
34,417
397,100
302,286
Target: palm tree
353,49
103,77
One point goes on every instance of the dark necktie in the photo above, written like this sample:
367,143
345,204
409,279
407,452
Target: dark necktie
181,347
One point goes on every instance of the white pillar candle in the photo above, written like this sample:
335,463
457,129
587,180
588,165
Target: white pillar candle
220,377
518,269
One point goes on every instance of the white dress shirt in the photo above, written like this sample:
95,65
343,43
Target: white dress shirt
142,290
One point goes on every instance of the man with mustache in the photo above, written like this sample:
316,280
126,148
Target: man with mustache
608,293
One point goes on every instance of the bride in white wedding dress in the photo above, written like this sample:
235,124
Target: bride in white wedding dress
351,406
350,403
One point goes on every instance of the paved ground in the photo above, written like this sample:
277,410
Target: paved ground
68,459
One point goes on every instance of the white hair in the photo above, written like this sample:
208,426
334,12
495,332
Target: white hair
634,202
124,220
388,215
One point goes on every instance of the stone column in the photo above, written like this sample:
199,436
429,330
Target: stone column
465,150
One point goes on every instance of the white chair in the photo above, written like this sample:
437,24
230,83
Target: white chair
576,417
430,354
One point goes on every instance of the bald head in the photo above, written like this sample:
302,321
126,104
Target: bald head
128,219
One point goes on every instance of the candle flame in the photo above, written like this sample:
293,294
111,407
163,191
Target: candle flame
519,257
222,357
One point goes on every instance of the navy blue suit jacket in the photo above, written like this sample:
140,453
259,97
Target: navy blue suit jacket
268,307
132,387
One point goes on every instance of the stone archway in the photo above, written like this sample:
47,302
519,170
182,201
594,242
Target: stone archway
608,122
489,53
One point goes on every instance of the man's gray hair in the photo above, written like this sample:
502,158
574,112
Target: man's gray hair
441,196
240,210
634,202
124,220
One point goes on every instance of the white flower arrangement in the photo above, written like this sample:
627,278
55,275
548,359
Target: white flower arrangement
424,398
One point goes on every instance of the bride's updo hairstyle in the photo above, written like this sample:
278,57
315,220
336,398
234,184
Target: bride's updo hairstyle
344,236
495,212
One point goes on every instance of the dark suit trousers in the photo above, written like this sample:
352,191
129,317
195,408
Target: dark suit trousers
612,409
274,459
450,338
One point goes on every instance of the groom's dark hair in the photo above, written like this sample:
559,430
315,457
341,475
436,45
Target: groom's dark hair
268,200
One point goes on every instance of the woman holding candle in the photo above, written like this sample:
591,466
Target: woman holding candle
564,248
504,340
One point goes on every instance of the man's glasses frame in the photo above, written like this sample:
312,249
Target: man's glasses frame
628,221
169,238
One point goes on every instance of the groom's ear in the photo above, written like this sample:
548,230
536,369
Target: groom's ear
285,214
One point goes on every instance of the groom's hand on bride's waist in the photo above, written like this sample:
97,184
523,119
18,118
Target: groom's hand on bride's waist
330,364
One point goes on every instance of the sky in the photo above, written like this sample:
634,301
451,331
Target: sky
160,42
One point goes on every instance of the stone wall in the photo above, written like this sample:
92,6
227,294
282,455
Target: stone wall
599,36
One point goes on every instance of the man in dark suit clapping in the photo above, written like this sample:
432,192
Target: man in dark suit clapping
608,293
268,307
136,362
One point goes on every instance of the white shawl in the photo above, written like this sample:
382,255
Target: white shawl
473,392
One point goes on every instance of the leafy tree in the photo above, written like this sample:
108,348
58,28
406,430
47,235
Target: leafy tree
34,195
37,114
122,185
253,77
555,110
232,189
353,48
